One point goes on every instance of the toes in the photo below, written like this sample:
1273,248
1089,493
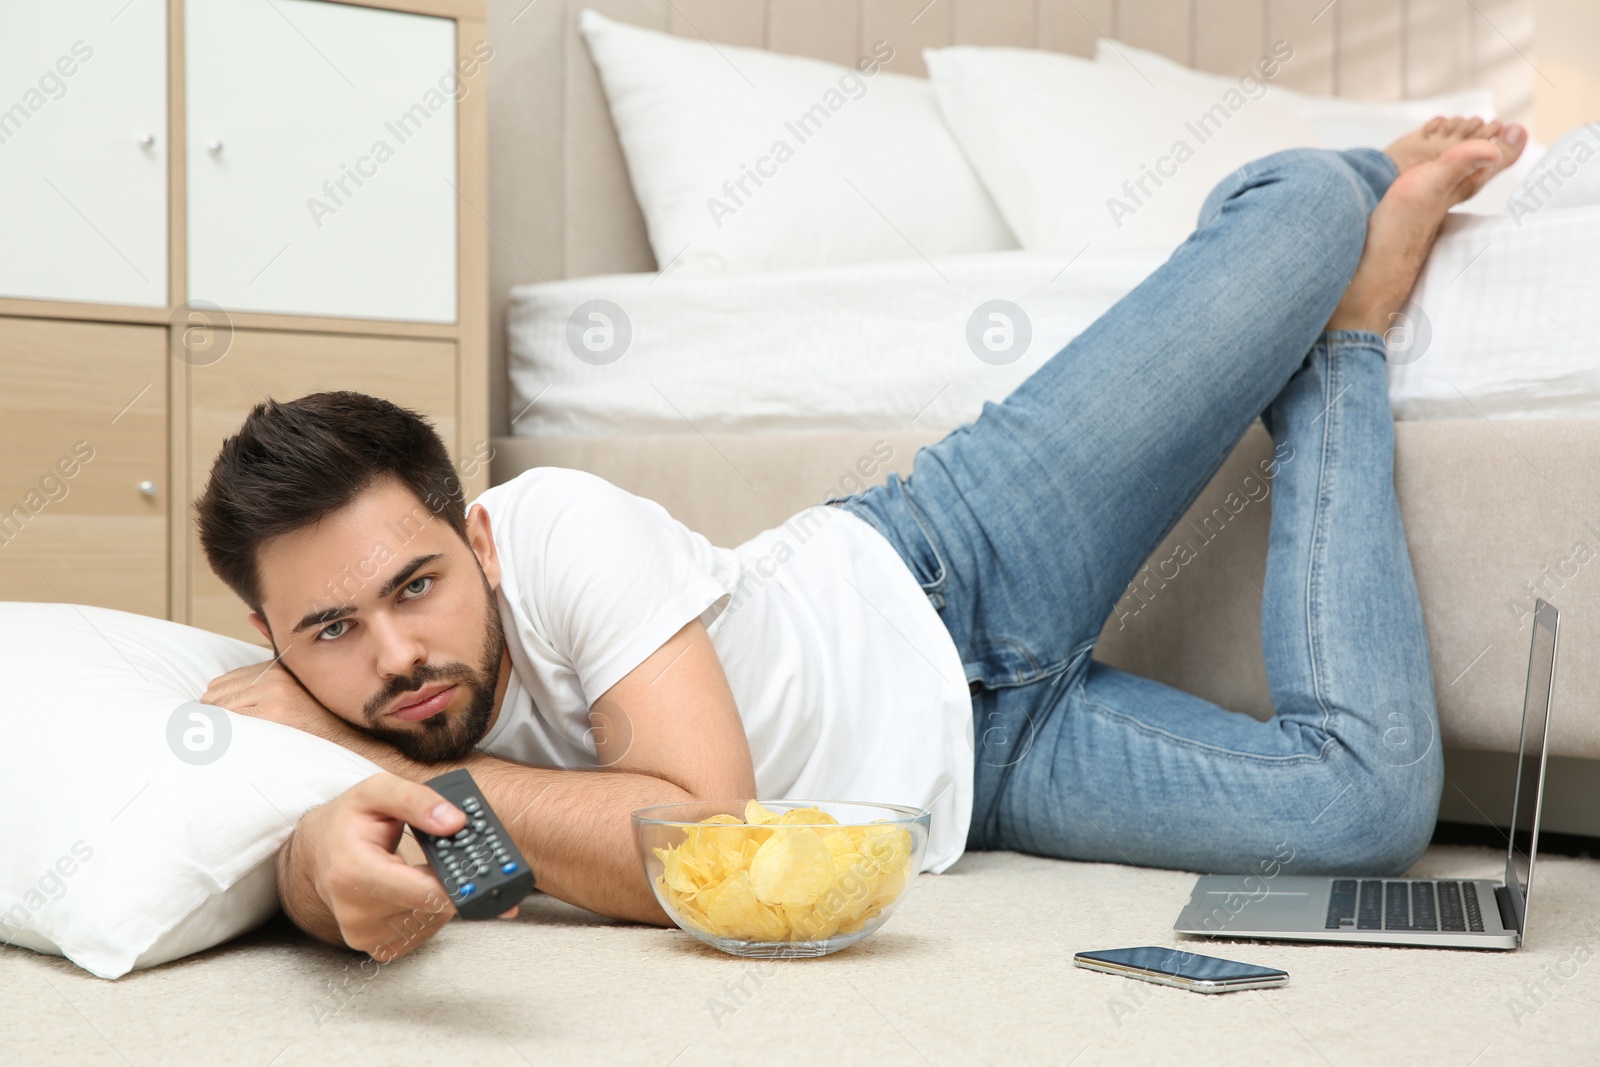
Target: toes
1513,139
1470,126
1490,130
1434,125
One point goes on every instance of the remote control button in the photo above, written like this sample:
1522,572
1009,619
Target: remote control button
508,868
480,824
467,889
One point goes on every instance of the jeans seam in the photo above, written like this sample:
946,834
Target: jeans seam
1313,593
1320,756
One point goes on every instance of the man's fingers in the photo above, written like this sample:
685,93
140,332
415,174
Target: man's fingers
410,802
387,936
384,878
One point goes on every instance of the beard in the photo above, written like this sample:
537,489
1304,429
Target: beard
451,734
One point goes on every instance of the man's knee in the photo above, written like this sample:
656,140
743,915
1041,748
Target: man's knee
1319,196
1386,824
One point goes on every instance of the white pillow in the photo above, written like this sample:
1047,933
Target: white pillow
1082,154
744,160
141,827
1340,122
1567,175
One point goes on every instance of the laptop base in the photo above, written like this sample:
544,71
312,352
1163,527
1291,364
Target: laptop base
1297,908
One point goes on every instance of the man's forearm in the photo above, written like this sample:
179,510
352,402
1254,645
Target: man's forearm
571,825
299,897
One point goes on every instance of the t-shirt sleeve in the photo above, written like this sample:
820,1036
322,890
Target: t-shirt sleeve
617,575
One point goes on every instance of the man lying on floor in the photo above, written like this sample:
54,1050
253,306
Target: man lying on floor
583,654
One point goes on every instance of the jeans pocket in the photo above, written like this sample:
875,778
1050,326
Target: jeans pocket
922,555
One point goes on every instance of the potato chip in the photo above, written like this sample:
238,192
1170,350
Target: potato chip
755,814
804,816
674,873
839,843
793,867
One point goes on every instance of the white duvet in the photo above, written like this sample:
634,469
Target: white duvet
1504,323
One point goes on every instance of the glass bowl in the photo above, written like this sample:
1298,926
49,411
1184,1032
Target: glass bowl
797,883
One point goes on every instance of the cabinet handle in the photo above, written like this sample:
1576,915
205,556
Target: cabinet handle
148,488
214,147
146,140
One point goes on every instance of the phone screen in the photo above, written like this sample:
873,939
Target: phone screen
1180,964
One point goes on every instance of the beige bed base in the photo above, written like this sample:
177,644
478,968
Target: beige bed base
1495,513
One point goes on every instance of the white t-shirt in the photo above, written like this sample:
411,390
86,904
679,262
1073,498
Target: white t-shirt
848,683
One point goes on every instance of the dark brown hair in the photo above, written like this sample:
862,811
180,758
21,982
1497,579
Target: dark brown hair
292,464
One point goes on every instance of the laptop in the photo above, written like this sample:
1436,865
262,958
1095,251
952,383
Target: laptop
1436,912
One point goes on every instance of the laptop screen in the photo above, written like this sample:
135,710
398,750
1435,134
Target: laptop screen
1531,750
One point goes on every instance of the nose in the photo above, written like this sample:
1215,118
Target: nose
399,650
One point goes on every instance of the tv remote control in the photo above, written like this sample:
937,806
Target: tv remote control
480,866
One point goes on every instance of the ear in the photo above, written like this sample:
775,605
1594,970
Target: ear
481,538
261,626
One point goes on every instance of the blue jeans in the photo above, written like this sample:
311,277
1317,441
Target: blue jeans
1025,527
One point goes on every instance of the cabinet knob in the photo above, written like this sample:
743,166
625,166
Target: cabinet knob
147,488
146,140
214,147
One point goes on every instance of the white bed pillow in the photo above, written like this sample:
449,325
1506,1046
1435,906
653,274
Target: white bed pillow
124,848
1064,143
1566,175
733,177
1340,122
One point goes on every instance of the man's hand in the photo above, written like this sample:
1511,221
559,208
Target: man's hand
340,879
267,691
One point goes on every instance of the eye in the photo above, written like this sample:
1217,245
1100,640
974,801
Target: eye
411,588
333,631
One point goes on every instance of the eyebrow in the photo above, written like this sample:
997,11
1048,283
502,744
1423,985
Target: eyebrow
399,578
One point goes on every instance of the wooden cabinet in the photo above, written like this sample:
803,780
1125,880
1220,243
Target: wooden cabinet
83,151
321,159
210,202
83,489
414,373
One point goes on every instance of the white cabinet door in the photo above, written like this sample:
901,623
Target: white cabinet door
83,151
321,159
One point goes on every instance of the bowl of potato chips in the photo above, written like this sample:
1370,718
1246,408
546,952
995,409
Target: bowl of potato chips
780,877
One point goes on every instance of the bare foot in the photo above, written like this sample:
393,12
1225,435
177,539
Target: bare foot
1402,228
1442,133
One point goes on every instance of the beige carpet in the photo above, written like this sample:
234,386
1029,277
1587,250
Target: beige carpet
974,968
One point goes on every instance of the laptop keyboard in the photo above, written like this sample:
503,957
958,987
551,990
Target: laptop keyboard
1374,904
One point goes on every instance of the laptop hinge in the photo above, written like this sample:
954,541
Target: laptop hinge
1508,914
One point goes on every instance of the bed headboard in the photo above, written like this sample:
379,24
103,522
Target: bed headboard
560,203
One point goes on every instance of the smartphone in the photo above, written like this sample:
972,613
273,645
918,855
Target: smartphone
1186,970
